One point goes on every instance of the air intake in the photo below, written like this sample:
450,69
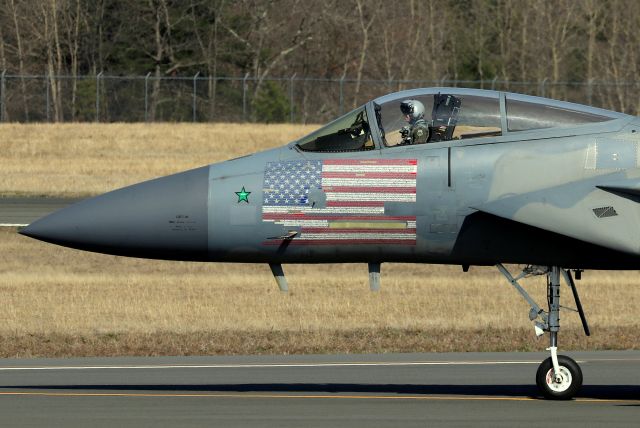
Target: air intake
603,212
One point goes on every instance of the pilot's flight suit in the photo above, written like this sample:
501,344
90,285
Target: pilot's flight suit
419,132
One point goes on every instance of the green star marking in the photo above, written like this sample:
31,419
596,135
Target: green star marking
243,195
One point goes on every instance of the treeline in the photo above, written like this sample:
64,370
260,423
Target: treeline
550,42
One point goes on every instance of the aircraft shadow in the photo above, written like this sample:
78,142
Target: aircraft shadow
611,392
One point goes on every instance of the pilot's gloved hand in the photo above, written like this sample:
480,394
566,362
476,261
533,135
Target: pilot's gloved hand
405,132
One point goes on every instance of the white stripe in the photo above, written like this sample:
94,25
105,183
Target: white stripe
374,197
328,210
304,223
362,182
369,235
411,224
274,365
13,225
369,168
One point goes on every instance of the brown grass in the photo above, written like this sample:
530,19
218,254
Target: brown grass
62,302
86,159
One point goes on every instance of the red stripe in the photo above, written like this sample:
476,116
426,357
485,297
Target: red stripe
405,175
352,189
372,230
370,162
355,204
343,242
302,216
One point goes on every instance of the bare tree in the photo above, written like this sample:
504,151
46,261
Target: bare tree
507,22
55,58
264,39
207,39
621,62
366,18
99,21
616,59
3,68
3,58
403,46
560,20
593,10
524,44
158,10
73,18
21,56
481,36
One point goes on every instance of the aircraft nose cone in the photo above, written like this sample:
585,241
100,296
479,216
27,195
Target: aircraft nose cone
165,218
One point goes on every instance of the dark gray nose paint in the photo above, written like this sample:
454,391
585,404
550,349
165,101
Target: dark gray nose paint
165,218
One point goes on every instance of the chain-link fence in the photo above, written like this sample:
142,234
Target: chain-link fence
106,98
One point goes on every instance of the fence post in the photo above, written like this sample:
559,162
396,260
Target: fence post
590,91
543,89
493,83
195,79
341,95
244,97
2,94
146,97
46,98
291,97
98,76
212,86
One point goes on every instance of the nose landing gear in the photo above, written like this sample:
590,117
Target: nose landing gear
560,384
558,377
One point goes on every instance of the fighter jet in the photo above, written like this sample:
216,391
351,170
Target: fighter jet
437,175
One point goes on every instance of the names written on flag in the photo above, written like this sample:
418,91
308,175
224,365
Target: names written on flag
356,192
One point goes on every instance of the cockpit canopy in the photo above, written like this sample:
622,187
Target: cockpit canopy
450,114
449,117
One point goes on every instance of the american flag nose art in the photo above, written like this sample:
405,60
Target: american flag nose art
356,192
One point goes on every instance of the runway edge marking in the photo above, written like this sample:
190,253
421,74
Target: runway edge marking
272,365
289,396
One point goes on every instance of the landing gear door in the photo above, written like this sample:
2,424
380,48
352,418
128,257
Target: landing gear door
437,201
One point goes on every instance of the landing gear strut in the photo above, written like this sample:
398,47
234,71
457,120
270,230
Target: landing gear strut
558,377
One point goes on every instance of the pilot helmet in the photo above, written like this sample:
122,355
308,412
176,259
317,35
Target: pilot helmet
413,108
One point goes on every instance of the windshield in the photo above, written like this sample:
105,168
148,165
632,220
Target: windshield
346,134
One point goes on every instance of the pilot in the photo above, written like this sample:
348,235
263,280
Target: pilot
417,132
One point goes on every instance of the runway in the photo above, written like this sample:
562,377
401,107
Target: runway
408,390
22,211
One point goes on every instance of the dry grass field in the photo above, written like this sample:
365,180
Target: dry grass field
88,159
62,302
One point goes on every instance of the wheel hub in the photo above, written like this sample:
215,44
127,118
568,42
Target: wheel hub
559,382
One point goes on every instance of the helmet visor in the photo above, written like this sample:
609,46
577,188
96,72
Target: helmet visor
406,108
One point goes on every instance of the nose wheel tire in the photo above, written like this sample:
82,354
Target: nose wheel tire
559,386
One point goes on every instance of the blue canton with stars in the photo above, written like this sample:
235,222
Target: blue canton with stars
288,183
